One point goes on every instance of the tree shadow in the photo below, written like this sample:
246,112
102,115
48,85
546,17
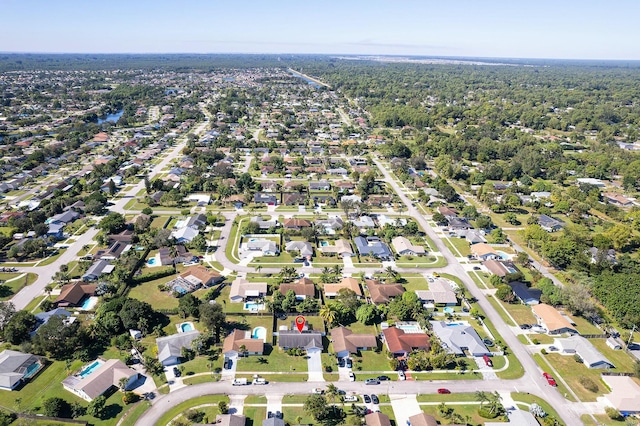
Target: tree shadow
5,291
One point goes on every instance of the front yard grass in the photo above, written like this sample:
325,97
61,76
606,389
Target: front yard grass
453,397
12,286
149,292
181,408
530,399
470,410
276,360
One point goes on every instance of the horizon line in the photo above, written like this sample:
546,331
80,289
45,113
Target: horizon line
319,54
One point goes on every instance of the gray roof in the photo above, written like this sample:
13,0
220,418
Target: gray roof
590,355
303,247
273,422
295,339
374,247
549,222
96,270
43,317
171,346
526,294
13,367
455,339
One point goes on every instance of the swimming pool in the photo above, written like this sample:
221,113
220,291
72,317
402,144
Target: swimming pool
253,306
32,369
89,303
503,255
409,328
90,369
186,326
259,333
179,289
324,243
253,240
457,324
151,261
448,310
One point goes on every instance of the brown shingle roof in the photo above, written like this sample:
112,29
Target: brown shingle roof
72,294
206,276
238,338
377,419
383,293
296,223
302,287
348,283
345,340
398,341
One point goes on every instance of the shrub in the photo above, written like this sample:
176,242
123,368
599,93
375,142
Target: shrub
486,414
577,358
543,351
56,407
129,398
613,413
194,416
535,341
6,418
589,384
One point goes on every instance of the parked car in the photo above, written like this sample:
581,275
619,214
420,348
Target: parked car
176,372
317,391
372,382
487,360
374,399
401,375
228,363
444,391
476,268
553,348
383,378
352,377
550,379
341,362
525,326
349,363
366,398
351,398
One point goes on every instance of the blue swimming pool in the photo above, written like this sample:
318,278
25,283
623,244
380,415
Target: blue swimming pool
409,328
503,255
90,369
324,243
179,289
186,326
456,324
32,369
253,306
259,333
151,261
448,310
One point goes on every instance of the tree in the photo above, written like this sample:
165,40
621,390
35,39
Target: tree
522,258
366,314
328,314
7,311
223,407
481,397
112,223
56,407
316,405
19,326
213,318
484,222
133,310
57,338
511,218
189,305
96,407
505,293
439,218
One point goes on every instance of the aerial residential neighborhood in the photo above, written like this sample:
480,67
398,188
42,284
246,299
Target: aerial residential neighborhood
250,244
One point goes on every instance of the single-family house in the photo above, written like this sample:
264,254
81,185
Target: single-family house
43,317
293,198
266,247
16,367
549,318
296,224
303,247
440,293
404,247
201,275
613,344
347,283
422,419
330,225
384,220
321,185
341,248
591,357
100,376
484,251
459,223
517,418
240,342
346,342
526,295
265,224
383,293
230,420
617,199
447,212
170,347
473,236
242,290
338,171
373,246
597,255
364,222
310,340
303,288
273,421
399,343
262,198
625,394
496,267
549,223
184,235
377,419
459,338
72,295
98,268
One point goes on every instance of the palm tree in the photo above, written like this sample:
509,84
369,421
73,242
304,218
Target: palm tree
390,273
495,405
337,269
258,268
482,397
122,384
328,314
325,275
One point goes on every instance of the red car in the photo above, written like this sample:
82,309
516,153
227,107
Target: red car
443,390
550,379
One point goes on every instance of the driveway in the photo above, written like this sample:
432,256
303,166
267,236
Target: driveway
314,366
274,403
404,406
230,374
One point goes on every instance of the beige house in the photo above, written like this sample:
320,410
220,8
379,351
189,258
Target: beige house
349,283
403,247
341,248
241,290
549,318
98,377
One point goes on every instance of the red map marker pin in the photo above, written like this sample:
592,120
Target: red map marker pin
300,322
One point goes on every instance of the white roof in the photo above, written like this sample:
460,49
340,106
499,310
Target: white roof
581,346
625,393
459,337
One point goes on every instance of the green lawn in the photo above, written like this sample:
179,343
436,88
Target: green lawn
150,293
13,286
181,408
277,360
421,262
530,399
254,415
561,388
603,420
458,245
470,410
454,397
205,378
371,361
291,415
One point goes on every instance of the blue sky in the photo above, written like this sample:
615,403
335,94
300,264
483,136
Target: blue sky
572,29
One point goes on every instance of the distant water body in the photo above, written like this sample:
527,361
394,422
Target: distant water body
311,82
111,117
